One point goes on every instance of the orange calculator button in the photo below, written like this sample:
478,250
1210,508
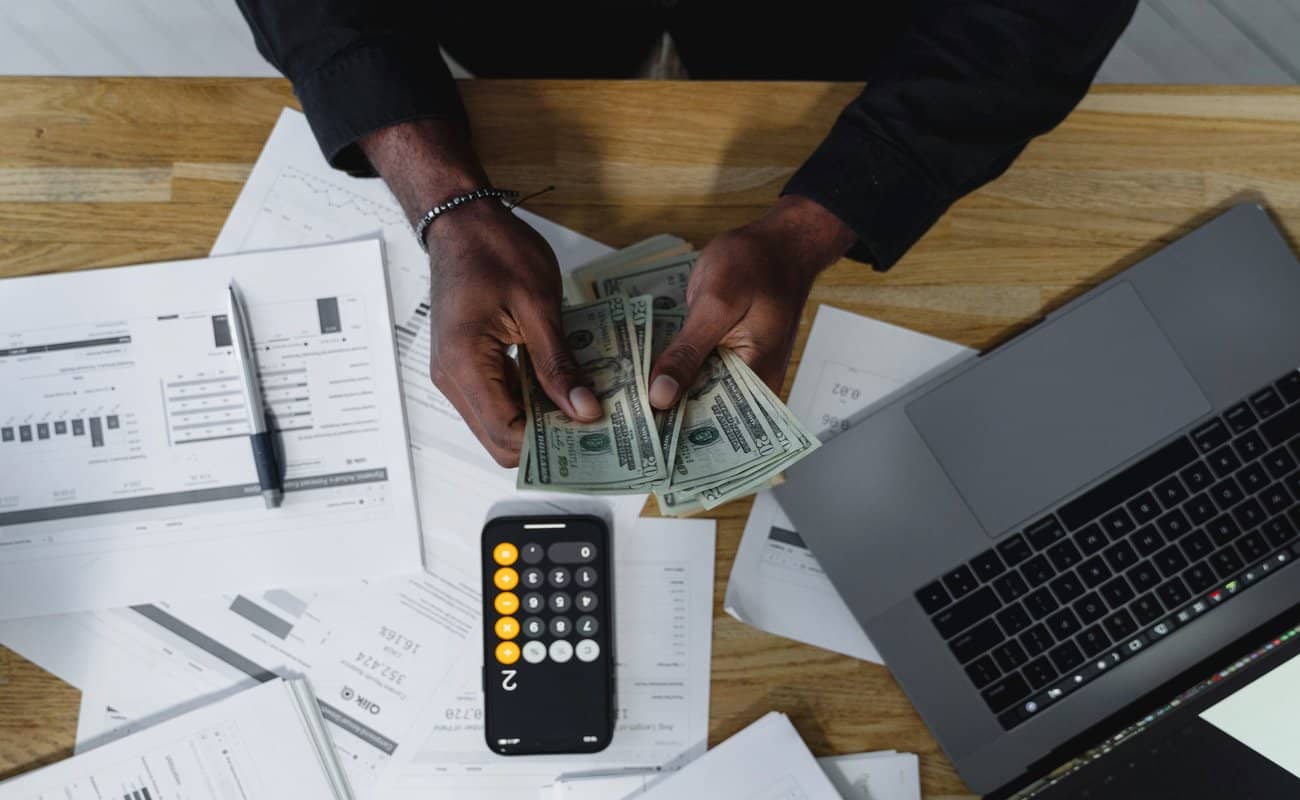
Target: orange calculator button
507,652
505,554
507,628
506,579
506,603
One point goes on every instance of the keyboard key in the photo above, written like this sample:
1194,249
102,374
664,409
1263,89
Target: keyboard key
1253,546
1147,540
1040,672
1066,587
1223,462
1289,387
1063,624
960,582
1094,571
1223,529
957,618
1014,549
1282,427
1141,475
1199,577
1276,499
1249,446
1171,492
1197,546
1116,591
1120,625
1173,524
1013,619
1036,640
1120,556
1279,531
1144,508
1144,576
1010,586
1093,640
1066,656
1146,609
1211,435
1091,539
1041,603
1197,477
975,641
1226,494
1227,563
1253,478
1044,532
1249,514
1240,418
1005,693
1279,463
1170,561
1201,509
988,565
1090,608
1173,593
1292,481
1010,655
1267,402
982,671
1064,555
1037,570
1118,524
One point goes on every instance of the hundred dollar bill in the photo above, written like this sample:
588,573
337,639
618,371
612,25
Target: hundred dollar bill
647,251
620,453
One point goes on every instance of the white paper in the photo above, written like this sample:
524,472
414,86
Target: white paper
262,744
765,761
1262,715
663,637
100,722
125,462
293,197
850,365
874,776
615,786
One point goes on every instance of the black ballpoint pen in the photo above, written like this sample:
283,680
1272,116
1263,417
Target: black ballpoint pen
268,468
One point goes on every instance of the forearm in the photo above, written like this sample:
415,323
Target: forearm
424,162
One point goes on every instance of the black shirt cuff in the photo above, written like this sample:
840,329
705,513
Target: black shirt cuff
372,86
878,191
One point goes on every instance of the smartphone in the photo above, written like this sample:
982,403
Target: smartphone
548,635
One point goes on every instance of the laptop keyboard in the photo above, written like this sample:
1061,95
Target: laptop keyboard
1117,569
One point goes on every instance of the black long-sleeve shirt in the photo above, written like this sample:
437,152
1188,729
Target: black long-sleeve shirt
956,88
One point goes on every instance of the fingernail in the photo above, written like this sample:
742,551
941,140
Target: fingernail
663,392
584,402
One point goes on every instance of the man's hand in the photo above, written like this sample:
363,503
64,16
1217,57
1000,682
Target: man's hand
494,283
747,292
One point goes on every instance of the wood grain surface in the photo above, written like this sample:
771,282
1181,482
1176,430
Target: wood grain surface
99,172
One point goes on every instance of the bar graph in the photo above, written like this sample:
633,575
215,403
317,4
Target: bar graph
207,407
58,429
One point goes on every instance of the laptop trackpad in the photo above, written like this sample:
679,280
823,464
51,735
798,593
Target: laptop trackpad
1042,416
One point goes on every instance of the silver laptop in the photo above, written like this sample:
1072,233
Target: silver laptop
1041,536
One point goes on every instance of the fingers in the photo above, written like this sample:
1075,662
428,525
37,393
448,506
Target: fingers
476,376
556,370
707,322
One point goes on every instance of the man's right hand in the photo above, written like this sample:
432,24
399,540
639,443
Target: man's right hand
494,283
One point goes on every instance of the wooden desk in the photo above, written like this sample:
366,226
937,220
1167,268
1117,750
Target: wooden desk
106,172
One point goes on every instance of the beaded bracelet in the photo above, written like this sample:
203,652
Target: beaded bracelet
456,202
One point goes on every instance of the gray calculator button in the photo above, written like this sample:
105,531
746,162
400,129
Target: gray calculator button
532,553
561,651
532,578
533,602
584,577
560,627
558,577
534,627
587,625
559,602
586,601
571,552
534,652
587,650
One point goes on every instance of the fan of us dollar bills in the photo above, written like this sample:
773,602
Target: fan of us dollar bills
728,437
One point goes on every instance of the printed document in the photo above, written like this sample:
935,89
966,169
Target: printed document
126,472
850,364
267,743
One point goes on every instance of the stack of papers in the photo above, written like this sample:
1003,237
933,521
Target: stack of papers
267,743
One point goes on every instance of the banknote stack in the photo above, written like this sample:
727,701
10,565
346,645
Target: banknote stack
728,437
